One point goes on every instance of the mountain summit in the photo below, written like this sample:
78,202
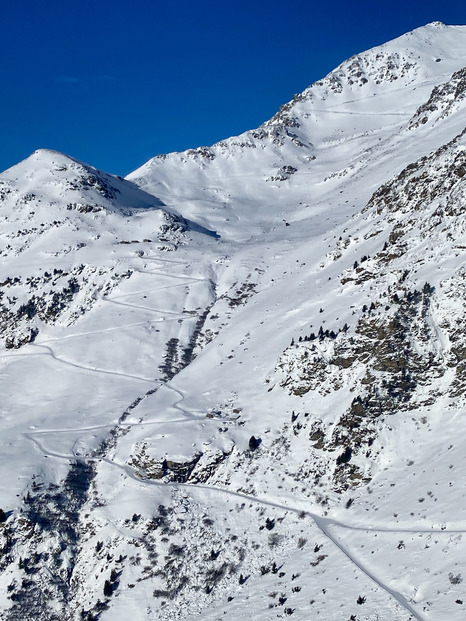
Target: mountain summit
338,125
235,380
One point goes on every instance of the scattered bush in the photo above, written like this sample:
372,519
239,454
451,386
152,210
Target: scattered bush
345,457
455,579
108,588
254,443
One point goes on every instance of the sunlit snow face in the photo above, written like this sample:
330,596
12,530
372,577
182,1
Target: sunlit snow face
234,381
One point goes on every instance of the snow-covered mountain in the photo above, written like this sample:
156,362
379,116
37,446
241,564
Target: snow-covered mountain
234,383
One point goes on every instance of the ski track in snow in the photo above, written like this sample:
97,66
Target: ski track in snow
431,83
176,404
48,453
90,332
348,161
49,351
136,476
323,526
362,113
176,317
323,523
70,429
145,308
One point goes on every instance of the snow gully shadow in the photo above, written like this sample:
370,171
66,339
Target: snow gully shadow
51,516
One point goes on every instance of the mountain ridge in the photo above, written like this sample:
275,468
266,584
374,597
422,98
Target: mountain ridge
271,161
244,394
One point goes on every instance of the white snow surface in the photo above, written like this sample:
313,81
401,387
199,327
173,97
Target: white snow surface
153,327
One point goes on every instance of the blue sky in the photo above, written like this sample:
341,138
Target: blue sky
115,83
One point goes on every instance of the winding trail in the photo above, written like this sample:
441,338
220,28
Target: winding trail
146,308
135,474
90,332
49,351
324,523
173,316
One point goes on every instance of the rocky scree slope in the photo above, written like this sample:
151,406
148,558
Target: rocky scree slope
53,206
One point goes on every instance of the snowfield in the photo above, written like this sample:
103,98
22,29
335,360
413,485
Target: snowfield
234,382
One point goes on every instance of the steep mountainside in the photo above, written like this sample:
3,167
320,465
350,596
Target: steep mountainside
359,121
234,383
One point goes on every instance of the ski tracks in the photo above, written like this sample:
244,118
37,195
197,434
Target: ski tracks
173,316
49,351
324,524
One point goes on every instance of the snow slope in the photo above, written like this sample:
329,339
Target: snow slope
347,126
234,382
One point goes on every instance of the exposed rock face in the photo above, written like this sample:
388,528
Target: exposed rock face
168,453
442,102
399,355
53,296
